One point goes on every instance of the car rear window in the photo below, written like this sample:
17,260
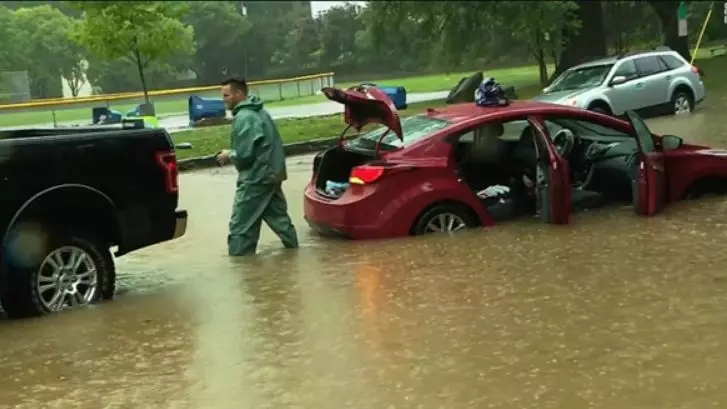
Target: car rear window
671,61
413,128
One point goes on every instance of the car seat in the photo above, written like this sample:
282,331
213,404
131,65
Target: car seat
482,162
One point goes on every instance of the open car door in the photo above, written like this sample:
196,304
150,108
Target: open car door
365,105
552,184
648,180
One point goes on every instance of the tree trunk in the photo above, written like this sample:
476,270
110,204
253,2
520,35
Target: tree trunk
140,67
667,12
588,42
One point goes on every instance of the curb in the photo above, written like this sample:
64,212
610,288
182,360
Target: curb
291,149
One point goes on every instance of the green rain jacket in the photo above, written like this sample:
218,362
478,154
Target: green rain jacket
257,149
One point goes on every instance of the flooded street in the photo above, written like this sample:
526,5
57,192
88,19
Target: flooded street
614,311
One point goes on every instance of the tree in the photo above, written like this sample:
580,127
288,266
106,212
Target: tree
539,27
48,48
585,40
220,30
140,31
667,12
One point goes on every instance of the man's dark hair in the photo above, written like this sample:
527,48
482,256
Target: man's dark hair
237,83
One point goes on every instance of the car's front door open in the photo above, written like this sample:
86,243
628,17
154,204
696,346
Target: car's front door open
648,178
552,184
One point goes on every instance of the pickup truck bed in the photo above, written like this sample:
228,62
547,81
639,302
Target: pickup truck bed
68,196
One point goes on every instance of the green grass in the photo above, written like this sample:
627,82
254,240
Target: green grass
178,105
209,140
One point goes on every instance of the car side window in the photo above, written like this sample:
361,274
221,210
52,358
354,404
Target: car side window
671,61
649,65
626,69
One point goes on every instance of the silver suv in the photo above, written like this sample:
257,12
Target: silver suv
659,82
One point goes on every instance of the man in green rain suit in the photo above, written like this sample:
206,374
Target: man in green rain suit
257,154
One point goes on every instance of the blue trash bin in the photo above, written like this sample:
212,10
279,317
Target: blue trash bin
203,108
397,94
112,116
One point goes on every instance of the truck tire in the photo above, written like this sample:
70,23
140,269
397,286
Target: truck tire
76,270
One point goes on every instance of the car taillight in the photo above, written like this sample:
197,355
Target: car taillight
363,175
697,70
168,162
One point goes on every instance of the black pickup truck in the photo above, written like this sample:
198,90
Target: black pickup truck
69,195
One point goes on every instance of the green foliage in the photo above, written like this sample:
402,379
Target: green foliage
219,29
141,31
156,41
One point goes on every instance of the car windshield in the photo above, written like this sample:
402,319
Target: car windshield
413,128
579,78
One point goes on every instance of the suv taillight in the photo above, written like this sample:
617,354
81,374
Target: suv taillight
697,70
167,160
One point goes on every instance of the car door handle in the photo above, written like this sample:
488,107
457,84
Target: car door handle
639,84
668,77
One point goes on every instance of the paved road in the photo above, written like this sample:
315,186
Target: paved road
181,121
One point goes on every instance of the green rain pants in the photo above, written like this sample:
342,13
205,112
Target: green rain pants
254,203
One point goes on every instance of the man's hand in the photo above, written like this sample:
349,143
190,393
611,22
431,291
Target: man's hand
223,158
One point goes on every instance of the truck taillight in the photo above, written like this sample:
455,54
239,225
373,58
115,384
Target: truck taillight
168,162
366,174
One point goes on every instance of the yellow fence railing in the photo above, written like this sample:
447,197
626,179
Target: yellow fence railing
324,78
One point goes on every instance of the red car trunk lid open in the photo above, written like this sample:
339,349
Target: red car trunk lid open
366,105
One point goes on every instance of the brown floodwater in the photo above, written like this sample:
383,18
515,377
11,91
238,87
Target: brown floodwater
613,311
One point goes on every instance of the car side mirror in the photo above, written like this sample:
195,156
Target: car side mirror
617,80
671,142
545,90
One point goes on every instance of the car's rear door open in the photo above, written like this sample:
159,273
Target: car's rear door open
552,185
648,183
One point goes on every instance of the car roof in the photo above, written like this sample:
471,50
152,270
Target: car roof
468,110
595,63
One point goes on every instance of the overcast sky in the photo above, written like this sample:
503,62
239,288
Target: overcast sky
318,6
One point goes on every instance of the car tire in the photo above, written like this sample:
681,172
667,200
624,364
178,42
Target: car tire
93,279
444,218
682,103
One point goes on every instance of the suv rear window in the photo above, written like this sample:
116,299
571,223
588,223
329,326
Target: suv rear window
671,61
413,128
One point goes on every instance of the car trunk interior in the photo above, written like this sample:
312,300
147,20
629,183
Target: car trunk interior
335,164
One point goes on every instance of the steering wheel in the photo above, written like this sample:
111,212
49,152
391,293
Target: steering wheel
564,141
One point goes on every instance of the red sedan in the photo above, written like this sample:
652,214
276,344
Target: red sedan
464,166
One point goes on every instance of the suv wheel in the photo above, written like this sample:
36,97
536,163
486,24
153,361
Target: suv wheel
75,271
600,108
682,103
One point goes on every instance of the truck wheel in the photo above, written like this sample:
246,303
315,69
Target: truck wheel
444,218
75,271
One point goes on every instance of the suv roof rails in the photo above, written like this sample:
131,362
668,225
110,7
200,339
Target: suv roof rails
632,53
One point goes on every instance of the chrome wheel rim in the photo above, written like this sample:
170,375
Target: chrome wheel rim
445,223
681,105
67,277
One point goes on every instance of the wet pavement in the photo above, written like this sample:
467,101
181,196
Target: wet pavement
614,311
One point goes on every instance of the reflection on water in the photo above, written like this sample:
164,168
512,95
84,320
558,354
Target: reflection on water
614,311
